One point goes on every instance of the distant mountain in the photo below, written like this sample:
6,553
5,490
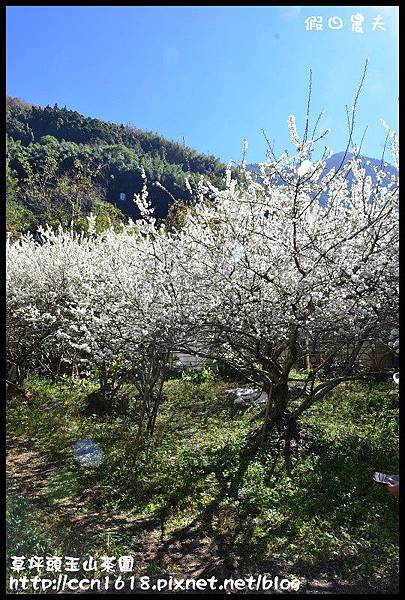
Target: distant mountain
367,163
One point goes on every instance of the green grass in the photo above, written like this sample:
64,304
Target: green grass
322,515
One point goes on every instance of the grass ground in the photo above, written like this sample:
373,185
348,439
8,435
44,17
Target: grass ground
191,503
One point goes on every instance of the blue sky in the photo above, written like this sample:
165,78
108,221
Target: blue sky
213,75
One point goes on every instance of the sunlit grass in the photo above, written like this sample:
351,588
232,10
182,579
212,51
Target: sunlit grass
320,514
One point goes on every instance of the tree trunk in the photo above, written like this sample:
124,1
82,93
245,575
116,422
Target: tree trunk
276,407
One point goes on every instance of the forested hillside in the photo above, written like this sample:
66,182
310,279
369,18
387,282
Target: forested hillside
56,154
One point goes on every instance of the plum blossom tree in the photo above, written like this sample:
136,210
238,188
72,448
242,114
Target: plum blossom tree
105,303
127,321
42,284
269,271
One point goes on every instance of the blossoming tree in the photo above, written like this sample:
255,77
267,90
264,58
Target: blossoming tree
270,270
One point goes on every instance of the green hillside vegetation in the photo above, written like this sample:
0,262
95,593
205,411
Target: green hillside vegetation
61,164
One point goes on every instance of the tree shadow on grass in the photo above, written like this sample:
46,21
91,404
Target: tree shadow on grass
339,492
200,547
